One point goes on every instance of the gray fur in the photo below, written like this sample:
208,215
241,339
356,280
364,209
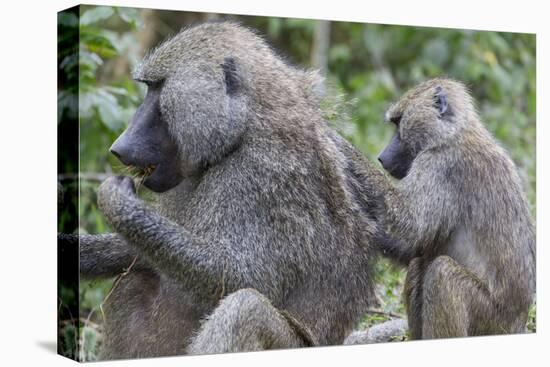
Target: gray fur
379,333
246,321
461,213
269,201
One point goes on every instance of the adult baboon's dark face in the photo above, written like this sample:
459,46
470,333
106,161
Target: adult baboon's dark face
146,145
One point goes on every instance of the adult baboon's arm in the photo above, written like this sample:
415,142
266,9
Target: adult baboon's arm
103,255
167,245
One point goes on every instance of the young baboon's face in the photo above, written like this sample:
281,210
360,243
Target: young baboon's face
420,118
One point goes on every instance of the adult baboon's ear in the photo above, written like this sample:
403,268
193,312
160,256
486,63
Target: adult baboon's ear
233,81
441,103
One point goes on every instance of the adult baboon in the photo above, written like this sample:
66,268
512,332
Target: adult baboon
257,224
460,218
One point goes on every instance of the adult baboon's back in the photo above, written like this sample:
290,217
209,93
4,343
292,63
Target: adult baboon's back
254,190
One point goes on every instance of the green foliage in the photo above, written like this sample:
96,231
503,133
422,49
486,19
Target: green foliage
107,102
532,319
104,103
107,98
389,280
69,341
89,340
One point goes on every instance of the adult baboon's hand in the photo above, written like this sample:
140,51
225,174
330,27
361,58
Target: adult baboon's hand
112,194
116,185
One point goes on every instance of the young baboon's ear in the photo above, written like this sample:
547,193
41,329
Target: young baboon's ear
441,103
233,81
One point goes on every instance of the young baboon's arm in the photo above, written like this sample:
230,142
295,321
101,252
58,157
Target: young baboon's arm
370,187
103,255
422,209
367,182
394,248
165,244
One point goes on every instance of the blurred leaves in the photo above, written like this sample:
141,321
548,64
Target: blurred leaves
96,14
104,103
532,319
130,16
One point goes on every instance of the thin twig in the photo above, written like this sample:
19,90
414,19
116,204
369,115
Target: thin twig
388,314
115,284
82,339
87,176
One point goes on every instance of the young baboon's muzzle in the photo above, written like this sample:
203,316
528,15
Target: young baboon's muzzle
395,158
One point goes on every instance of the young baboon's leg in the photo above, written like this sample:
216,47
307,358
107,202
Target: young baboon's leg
455,301
246,321
413,297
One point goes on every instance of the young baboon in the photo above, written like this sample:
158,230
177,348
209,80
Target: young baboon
257,225
459,217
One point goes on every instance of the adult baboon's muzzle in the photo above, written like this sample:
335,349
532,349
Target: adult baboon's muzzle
146,145
142,143
121,150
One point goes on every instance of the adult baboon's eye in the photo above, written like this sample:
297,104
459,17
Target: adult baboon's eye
151,84
154,84
395,119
